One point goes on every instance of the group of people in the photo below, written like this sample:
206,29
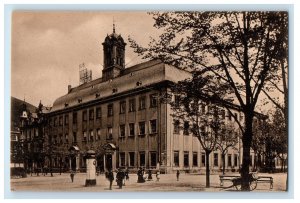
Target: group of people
123,175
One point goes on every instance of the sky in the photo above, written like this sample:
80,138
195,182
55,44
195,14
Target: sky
47,48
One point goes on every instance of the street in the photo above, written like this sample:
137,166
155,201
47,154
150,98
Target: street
167,182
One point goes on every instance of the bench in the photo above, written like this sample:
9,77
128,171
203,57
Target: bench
227,178
265,179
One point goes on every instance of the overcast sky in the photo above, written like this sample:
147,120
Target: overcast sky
47,48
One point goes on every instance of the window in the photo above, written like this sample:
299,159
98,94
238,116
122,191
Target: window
84,115
142,102
176,100
61,139
74,117
109,133
229,160
235,160
122,130
223,114
98,113
195,159
153,126
229,115
91,114
186,159
216,159
84,136
186,128
122,159
98,134
176,126
131,158
74,137
152,159
60,121
202,159
131,105
110,110
91,135
67,138
55,122
153,100
131,129
66,119
142,128
142,159
122,107
176,158
203,108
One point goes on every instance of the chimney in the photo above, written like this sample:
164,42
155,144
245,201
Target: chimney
69,88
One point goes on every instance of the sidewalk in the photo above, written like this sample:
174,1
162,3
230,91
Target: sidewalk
167,182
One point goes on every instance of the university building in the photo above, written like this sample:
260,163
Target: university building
121,117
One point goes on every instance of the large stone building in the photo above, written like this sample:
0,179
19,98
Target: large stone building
121,117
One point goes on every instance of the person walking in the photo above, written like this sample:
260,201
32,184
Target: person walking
149,175
110,177
157,176
177,175
72,174
120,176
140,175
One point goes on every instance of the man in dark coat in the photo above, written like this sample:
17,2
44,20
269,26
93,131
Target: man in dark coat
110,177
120,176
140,174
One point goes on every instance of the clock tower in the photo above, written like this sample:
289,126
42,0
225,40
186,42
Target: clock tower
114,56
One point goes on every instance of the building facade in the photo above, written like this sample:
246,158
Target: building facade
122,118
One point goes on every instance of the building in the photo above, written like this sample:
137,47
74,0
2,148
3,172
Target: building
121,117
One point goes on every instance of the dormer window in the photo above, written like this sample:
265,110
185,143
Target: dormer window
97,95
79,100
66,104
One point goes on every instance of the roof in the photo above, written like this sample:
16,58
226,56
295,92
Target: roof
140,75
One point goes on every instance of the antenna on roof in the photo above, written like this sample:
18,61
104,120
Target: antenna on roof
114,30
84,74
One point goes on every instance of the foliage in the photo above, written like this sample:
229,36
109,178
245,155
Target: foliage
239,49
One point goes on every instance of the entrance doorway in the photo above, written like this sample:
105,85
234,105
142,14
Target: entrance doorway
108,160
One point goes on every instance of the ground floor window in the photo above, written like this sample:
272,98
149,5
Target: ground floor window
186,159
235,160
131,158
216,160
153,159
202,159
142,159
195,159
176,158
122,158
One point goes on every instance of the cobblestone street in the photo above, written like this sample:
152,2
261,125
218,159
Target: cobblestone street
167,182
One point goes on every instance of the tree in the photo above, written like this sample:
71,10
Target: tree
228,138
240,49
194,112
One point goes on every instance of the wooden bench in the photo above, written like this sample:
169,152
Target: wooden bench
227,178
265,179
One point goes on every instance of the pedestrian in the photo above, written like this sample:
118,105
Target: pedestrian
127,174
120,176
157,176
110,177
177,175
72,174
140,175
149,175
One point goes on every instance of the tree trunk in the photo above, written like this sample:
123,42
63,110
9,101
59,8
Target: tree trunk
207,169
247,139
